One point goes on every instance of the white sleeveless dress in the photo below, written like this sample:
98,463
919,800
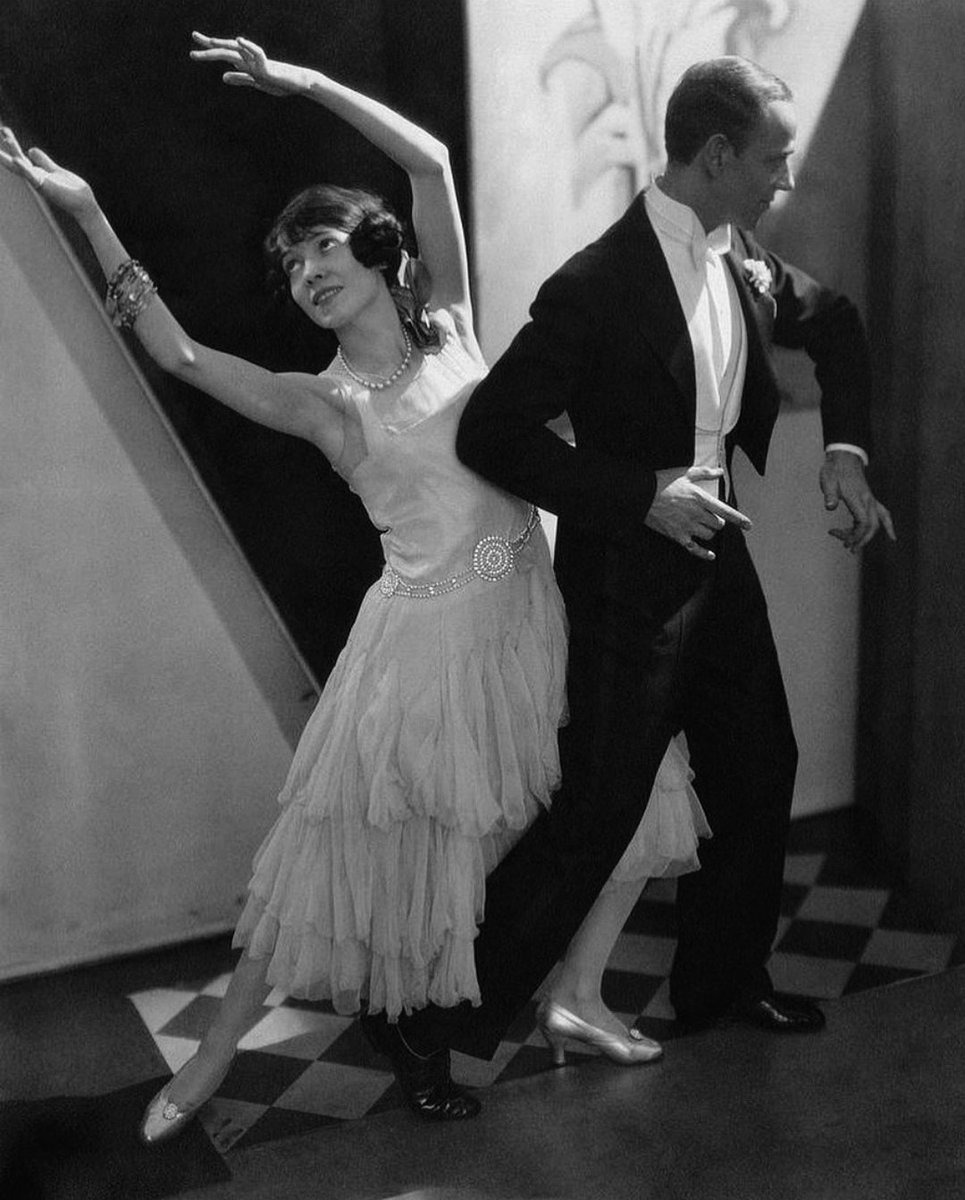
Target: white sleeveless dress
433,744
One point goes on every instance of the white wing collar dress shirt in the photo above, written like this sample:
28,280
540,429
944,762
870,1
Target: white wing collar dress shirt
711,308
709,300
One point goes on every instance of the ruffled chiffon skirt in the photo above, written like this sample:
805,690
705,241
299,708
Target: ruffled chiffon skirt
667,837
431,749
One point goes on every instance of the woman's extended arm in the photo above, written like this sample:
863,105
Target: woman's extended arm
435,211
294,403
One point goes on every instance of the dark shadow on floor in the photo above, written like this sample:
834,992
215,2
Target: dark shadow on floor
87,1148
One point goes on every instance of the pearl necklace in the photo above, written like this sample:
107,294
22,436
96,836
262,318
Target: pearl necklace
390,379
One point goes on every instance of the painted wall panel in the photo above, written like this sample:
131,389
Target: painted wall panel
566,117
149,696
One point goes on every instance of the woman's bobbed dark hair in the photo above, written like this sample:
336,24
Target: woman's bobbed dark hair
376,235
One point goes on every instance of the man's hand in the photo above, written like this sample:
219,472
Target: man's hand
684,512
843,478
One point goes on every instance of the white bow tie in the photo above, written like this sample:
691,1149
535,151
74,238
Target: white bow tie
704,247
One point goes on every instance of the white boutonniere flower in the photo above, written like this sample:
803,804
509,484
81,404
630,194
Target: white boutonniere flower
758,276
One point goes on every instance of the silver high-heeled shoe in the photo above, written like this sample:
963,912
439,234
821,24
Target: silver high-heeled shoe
163,1119
557,1025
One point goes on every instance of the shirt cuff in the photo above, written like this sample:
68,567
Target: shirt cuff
862,454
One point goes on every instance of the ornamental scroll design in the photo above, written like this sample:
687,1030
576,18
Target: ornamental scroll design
618,64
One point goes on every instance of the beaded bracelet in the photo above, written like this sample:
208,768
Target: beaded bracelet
129,291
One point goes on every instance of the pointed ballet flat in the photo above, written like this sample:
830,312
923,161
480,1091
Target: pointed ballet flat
163,1119
558,1026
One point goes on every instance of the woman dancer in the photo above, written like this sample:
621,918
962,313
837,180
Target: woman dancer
433,744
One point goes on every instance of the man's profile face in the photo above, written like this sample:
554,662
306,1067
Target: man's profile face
751,179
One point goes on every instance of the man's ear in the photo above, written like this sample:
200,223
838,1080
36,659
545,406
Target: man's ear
716,153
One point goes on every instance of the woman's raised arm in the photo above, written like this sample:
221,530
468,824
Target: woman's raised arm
435,211
298,404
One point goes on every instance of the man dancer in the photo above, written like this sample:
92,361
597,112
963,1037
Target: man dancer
654,339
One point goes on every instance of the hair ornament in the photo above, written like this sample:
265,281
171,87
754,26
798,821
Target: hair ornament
411,293
376,240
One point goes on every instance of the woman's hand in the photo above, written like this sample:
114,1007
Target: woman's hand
56,184
251,66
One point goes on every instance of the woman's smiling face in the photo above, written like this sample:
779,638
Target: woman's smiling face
326,280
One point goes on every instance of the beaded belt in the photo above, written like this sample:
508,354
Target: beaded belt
493,558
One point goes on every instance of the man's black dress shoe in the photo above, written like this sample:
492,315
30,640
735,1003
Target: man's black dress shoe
778,1014
775,1013
424,1080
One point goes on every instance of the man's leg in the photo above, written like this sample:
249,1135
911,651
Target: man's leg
627,670
537,897
744,757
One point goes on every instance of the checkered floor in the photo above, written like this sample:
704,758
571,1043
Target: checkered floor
842,930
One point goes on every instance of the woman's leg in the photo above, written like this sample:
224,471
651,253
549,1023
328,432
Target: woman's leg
200,1076
577,983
